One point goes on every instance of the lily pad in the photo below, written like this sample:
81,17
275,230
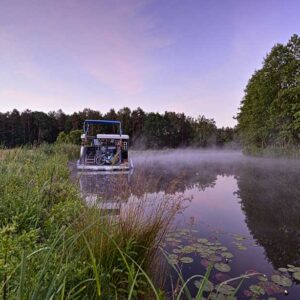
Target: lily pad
173,261
171,239
204,254
215,258
176,250
188,249
208,286
215,296
222,248
281,280
296,275
222,267
227,254
242,247
283,270
256,289
239,238
203,241
225,289
271,288
262,278
186,260
210,244
294,269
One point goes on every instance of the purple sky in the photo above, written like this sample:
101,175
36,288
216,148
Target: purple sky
190,56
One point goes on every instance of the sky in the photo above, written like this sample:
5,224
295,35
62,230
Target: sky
190,56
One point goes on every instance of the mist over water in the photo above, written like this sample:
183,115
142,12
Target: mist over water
227,194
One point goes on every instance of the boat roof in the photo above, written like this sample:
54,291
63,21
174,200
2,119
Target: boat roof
87,123
113,136
95,122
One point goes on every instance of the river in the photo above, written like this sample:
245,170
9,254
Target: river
240,214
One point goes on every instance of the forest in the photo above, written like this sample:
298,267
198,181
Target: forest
146,130
269,115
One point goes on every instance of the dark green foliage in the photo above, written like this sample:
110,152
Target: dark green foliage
270,111
146,130
73,137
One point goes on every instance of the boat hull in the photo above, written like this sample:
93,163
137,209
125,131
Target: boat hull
122,167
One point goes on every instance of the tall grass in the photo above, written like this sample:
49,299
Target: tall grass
54,246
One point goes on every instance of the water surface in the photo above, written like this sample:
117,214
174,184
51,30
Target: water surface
251,206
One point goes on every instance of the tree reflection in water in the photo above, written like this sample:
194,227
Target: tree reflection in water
269,193
270,199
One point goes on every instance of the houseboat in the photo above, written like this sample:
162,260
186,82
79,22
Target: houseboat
101,151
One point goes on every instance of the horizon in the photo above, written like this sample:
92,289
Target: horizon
112,54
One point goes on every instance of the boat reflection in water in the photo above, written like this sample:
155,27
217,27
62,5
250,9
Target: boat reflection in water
105,190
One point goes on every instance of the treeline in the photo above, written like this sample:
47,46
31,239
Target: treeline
270,111
146,130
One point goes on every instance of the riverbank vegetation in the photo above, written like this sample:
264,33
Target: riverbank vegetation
52,246
269,117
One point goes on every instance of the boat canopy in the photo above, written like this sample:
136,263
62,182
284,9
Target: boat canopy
113,136
100,122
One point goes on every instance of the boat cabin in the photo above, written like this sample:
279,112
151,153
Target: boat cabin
103,151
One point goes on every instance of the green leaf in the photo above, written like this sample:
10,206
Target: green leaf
281,280
186,260
296,275
256,289
222,267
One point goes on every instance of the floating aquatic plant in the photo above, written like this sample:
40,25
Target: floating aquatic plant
283,270
293,269
227,254
262,278
215,258
222,267
208,285
296,275
188,249
176,250
225,289
204,241
281,280
271,288
256,289
186,260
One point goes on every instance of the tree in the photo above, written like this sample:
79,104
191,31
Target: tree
204,132
270,109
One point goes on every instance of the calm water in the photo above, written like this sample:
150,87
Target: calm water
250,206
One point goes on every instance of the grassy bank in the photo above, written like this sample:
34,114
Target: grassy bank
292,152
53,247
